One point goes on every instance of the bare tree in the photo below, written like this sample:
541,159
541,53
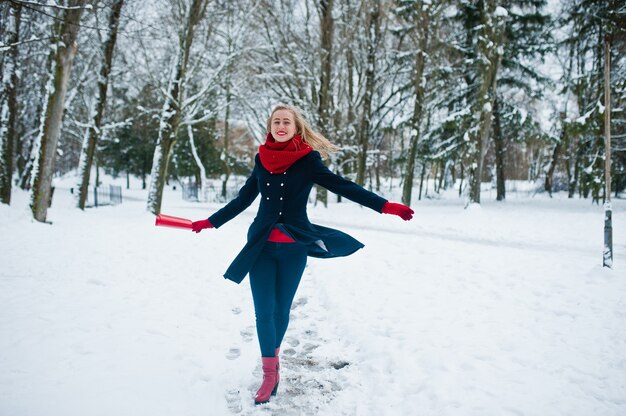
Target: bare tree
93,131
222,86
325,9
373,21
171,113
498,141
422,16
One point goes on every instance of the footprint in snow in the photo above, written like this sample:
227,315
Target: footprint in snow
308,347
308,381
289,352
292,341
233,353
247,334
233,401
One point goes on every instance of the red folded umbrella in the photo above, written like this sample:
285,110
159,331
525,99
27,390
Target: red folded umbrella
163,220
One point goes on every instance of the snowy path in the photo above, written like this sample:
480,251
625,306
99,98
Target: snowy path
498,311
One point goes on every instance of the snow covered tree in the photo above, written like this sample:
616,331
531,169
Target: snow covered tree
93,131
372,21
520,86
418,16
325,96
33,59
587,23
131,149
490,87
489,47
368,87
233,44
64,50
10,14
171,113
411,89
298,65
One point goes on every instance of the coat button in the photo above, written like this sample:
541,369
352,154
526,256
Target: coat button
280,213
282,184
268,184
281,198
268,198
285,172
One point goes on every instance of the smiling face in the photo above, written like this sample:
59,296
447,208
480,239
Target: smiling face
283,125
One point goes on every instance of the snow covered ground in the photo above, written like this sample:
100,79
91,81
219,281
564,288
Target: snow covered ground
498,310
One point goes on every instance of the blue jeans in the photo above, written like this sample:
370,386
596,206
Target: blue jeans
274,279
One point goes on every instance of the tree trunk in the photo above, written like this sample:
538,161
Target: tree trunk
442,176
390,161
351,115
607,119
573,182
608,221
200,177
370,74
422,174
171,113
326,44
52,117
435,167
225,155
556,154
416,120
8,105
489,56
324,95
562,145
499,143
377,172
93,131
453,172
462,175
25,160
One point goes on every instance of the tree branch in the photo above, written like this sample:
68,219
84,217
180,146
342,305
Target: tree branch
56,6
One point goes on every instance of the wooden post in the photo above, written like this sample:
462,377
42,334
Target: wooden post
607,257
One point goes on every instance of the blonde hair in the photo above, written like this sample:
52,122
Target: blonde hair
316,140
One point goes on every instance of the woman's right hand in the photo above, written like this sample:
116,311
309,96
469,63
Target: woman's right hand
198,226
400,210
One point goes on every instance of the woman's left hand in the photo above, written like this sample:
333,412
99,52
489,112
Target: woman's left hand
400,210
198,226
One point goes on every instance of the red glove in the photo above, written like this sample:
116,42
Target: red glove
400,210
198,226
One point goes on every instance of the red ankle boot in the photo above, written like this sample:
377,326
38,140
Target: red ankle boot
270,381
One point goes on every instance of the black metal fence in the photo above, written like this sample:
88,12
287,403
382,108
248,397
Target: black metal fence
103,195
190,192
212,191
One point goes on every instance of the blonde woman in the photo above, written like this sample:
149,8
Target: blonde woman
281,237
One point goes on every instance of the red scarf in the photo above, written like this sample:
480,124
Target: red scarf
277,157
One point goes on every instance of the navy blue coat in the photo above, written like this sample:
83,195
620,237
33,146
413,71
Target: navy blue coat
283,204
